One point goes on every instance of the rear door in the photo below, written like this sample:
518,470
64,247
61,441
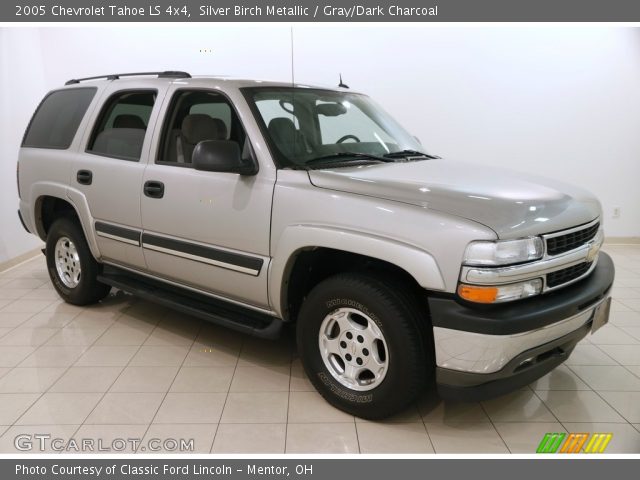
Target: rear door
109,171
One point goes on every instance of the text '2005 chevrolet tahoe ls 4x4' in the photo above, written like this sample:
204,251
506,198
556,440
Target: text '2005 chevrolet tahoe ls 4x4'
255,204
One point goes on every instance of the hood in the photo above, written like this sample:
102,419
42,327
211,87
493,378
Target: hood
512,204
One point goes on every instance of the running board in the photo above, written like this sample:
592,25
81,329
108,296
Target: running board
198,305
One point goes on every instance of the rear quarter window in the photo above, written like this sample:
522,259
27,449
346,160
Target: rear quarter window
56,120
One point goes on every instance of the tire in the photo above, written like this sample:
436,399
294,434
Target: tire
397,362
75,279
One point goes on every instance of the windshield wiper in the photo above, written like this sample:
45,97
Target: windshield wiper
410,153
337,157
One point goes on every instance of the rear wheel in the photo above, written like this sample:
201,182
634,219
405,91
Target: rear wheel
361,341
72,268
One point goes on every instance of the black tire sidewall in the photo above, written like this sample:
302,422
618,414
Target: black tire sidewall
88,290
407,361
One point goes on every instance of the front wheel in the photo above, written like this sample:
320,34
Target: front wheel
72,268
362,343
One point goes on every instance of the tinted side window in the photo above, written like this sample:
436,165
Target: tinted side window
195,116
214,110
122,124
55,122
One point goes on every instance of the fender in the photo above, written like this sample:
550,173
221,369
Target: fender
418,263
77,201
36,191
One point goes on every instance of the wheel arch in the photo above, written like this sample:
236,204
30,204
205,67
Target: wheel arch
47,209
307,255
50,205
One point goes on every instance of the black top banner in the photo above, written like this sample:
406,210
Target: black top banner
320,11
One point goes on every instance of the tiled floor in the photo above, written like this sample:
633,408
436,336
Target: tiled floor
129,369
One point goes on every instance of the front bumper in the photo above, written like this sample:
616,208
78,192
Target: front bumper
485,352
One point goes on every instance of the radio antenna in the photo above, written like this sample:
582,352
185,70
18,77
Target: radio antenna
342,85
292,67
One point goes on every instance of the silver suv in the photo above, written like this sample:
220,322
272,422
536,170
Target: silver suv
256,204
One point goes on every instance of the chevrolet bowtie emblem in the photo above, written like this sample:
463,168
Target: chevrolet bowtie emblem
594,249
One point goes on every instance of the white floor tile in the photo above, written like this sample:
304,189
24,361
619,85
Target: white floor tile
86,380
30,380
465,438
250,438
561,378
393,438
126,367
144,379
191,408
579,406
519,406
60,409
125,409
525,437
267,407
322,438
603,378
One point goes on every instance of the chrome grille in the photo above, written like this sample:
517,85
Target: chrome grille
565,242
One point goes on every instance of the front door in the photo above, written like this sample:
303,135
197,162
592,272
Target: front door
206,230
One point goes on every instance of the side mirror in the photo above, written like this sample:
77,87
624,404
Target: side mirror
221,156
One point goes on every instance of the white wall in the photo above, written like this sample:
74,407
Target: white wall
22,85
36,60
561,102
564,102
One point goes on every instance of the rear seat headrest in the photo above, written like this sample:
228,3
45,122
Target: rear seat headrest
128,121
121,142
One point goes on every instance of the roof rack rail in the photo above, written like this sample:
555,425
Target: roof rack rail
116,76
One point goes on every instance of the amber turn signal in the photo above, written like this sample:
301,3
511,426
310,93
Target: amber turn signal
500,293
474,293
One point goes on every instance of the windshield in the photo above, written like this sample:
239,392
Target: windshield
306,126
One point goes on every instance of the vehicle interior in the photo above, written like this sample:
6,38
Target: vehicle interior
310,124
122,125
195,116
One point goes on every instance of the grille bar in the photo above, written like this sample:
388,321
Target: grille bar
567,274
564,243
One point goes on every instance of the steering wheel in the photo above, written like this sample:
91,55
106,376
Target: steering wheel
347,137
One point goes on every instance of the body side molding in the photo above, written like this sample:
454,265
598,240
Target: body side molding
213,256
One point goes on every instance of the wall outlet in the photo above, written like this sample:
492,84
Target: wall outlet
616,212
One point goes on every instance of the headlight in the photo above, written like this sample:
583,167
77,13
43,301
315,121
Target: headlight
500,293
503,252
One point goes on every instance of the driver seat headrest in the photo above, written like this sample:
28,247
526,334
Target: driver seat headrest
197,127
283,129
285,135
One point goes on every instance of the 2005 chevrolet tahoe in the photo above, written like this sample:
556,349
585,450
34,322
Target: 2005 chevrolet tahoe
256,204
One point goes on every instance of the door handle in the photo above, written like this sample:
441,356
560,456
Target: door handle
154,189
85,177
